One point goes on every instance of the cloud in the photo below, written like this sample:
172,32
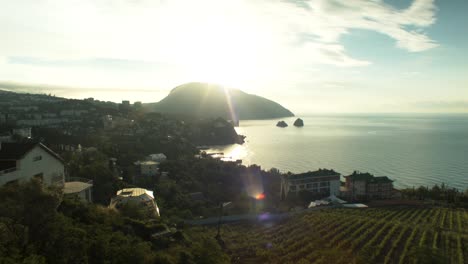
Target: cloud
331,19
249,40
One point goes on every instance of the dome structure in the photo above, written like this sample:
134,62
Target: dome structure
138,196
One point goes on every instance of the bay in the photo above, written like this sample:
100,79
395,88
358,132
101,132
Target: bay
412,149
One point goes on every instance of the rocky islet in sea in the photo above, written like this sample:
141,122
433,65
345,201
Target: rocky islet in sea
299,123
281,124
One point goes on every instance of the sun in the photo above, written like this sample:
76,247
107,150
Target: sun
223,57
218,47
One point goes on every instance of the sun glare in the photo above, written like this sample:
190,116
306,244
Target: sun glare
260,196
217,47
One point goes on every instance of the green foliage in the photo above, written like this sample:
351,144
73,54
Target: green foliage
93,165
442,194
36,228
218,181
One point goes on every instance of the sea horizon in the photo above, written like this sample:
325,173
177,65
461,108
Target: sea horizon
411,149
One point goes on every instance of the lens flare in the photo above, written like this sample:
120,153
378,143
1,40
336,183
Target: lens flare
260,196
232,110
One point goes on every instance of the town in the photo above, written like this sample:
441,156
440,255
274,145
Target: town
49,138
146,167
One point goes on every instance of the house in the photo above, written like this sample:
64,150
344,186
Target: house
324,182
79,187
25,161
147,168
107,122
137,196
368,186
137,105
24,132
125,105
160,157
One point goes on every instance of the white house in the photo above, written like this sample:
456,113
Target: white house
24,161
137,196
324,182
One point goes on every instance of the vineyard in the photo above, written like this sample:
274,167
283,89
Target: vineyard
374,235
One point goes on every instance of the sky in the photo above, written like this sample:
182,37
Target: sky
312,56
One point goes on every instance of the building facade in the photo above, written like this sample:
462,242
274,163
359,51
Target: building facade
147,168
25,161
321,182
367,186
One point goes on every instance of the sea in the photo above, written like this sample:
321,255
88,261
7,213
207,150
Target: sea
412,150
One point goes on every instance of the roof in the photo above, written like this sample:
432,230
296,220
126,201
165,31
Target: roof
317,173
134,192
7,164
358,176
17,150
75,187
368,178
381,179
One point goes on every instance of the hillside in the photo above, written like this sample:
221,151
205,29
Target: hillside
375,235
204,100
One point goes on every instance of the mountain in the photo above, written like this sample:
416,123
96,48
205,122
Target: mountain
204,100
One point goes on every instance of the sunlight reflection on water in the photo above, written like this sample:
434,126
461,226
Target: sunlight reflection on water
412,150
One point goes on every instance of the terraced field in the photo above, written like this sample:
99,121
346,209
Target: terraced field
373,235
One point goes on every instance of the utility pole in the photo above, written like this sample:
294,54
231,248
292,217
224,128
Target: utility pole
218,234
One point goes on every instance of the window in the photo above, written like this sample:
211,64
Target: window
293,188
37,158
309,185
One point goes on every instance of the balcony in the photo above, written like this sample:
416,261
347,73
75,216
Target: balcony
9,175
10,170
